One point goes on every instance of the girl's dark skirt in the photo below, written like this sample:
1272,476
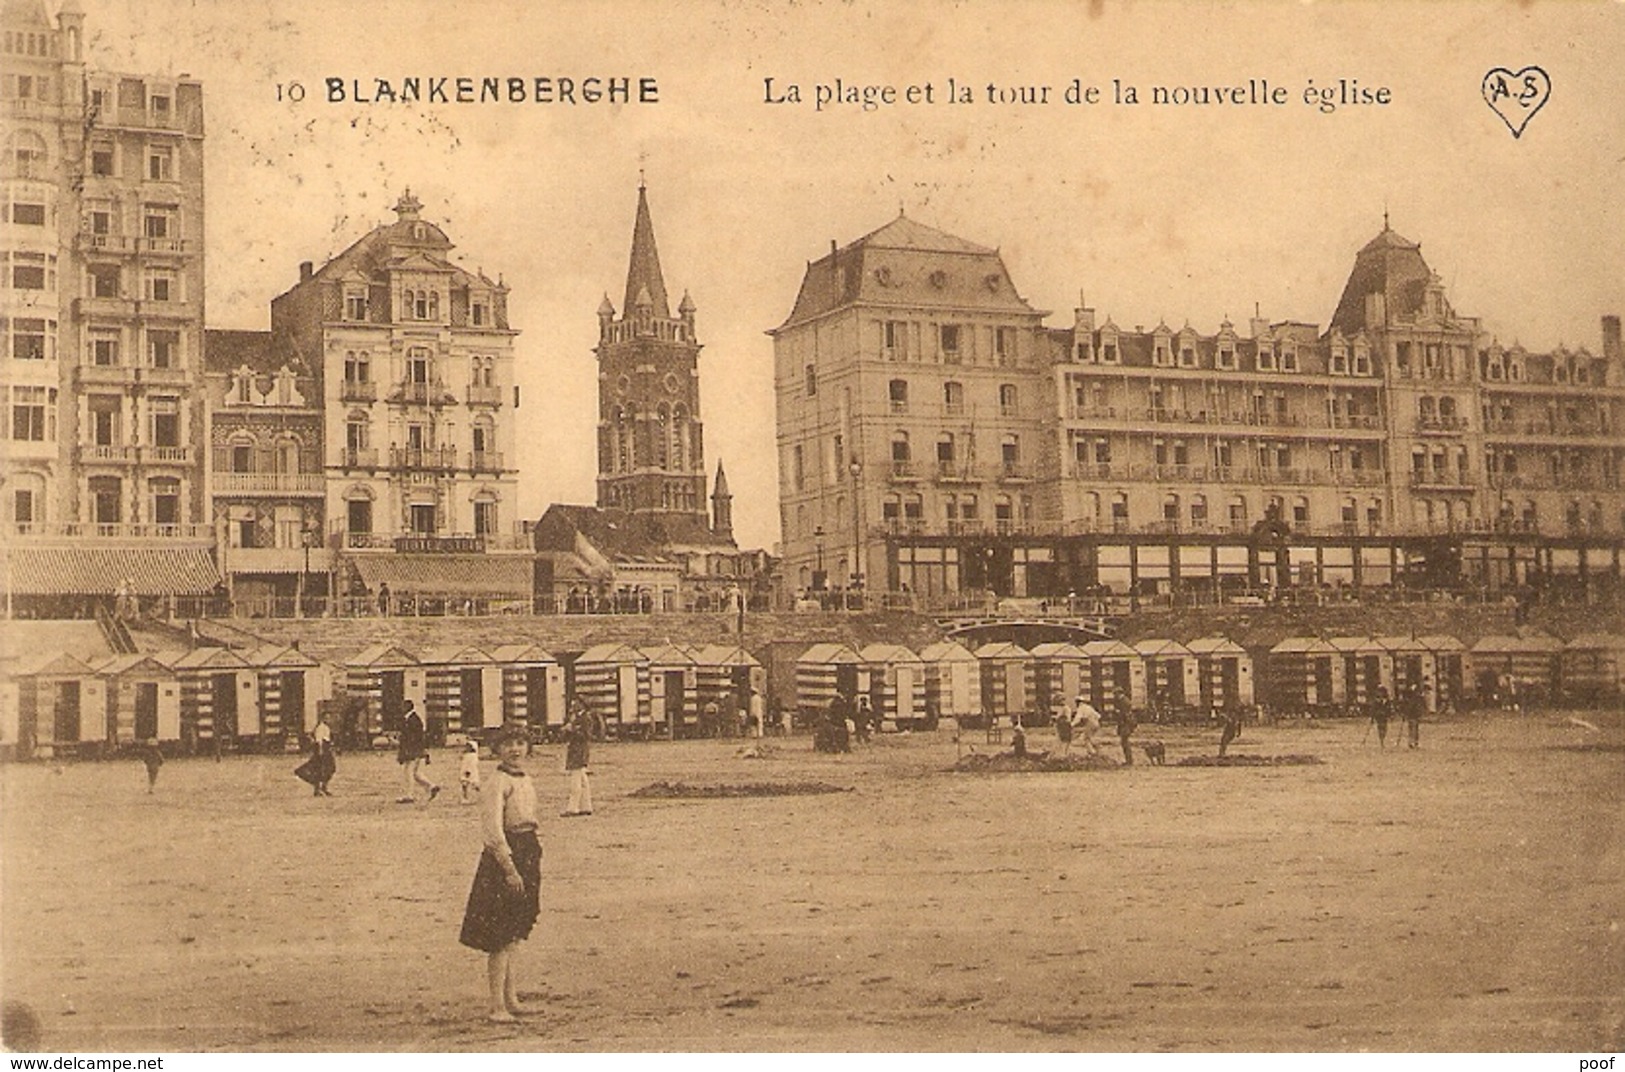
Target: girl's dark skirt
496,916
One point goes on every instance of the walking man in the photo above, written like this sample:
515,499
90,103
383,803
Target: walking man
1125,729
1415,701
1232,728
577,741
411,755
1382,709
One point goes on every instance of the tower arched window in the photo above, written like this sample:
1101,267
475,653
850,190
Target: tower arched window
663,434
680,448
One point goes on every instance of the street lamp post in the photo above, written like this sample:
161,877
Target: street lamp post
856,469
818,558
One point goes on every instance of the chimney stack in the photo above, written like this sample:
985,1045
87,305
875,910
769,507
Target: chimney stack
306,270
1611,348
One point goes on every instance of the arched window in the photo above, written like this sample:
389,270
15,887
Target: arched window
1170,508
897,393
287,455
1007,399
1424,407
1198,510
663,435
679,437
900,454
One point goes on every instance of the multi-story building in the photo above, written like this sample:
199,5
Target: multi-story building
1401,444
414,364
103,313
648,544
266,477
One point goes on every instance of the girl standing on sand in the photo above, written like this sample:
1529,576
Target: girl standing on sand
506,896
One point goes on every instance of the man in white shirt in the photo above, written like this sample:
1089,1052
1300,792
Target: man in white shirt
1086,720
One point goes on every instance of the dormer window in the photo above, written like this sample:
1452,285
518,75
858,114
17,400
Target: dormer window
1266,357
355,304
243,387
1340,361
1160,355
1289,360
477,314
1226,357
1086,352
1187,356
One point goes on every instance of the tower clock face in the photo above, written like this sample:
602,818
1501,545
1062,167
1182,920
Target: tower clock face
671,383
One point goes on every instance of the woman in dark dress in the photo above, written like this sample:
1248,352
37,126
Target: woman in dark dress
506,896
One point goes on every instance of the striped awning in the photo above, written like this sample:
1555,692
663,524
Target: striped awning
447,575
98,571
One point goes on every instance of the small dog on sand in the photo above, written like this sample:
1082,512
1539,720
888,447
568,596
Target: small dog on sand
1155,753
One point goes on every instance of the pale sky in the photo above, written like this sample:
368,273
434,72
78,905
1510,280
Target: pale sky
1154,212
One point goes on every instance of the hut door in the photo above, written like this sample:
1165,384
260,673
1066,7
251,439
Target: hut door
536,709
1043,685
248,703
471,690
628,679
1230,682
1320,682
1015,689
94,715
846,681
491,693
906,693
224,687
169,711
676,696
146,710
393,696
1120,679
65,728
1173,671
292,690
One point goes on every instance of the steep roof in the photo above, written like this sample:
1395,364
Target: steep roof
643,278
624,535
906,263
228,351
1389,265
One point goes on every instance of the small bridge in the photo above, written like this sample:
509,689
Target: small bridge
1039,626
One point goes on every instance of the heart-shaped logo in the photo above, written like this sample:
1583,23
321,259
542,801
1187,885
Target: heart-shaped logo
1516,96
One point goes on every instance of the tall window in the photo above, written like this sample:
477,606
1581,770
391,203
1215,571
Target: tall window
104,419
164,500
32,339
166,422
1007,399
160,163
106,500
485,518
948,340
30,412
163,349
897,391
953,397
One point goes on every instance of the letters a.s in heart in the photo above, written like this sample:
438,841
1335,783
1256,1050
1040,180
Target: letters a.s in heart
1516,96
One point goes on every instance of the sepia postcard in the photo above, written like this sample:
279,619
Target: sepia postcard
811,526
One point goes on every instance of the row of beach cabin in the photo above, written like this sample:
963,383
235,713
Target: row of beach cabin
268,698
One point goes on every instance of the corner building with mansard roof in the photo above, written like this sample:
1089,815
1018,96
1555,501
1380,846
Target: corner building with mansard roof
936,438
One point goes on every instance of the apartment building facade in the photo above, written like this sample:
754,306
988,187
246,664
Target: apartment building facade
1397,446
103,309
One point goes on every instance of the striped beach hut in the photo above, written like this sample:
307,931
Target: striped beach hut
1171,680
291,684
143,699
896,685
1224,673
1060,673
953,682
824,671
1594,667
1006,670
674,683
729,674
532,686
383,677
1450,669
1359,665
1528,665
612,680
463,690
1116,676
1302,675
61,706
1409,663
219,698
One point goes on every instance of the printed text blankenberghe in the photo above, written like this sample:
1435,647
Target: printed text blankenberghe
492,89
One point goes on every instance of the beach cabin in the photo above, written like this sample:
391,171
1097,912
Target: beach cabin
1060,673
1116,676
896,685
823,672
291,684
1171,680
953,682
143,700
1449,669
61,706
532,686
382,678
220,698
1006,672
612,681
463,690
1303,676
729,674
1594,668
674,697
1527,668
1359,665
1409,664
1224,673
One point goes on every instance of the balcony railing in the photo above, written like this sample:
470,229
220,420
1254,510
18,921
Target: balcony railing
106,375
104,452
164,245
268,483
955,470
433,543
1360,477
899,526
485,461
953,409
359,459
484,395
430,393
1441,424
903,470
422,458
111,530
1441,478
358,391
167,455
1011,470
87,240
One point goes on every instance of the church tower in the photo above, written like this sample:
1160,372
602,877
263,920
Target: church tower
651,453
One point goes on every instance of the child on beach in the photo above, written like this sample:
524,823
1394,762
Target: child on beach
153,760
506,896
468,775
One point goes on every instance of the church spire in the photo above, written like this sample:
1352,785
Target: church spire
722,508
643,273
